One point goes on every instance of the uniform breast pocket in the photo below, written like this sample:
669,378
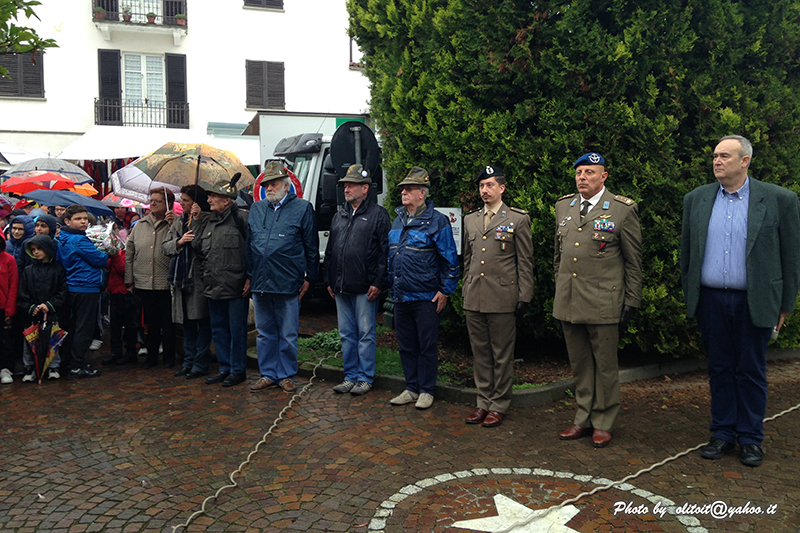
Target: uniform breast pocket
561,237
604,240
505,238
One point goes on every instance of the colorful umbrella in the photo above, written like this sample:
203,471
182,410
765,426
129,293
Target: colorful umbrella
66,198
130,182
7,202
84,188
51,164
44,339
185,164
32,180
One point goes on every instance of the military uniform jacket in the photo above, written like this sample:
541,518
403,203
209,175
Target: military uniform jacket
597,261
498,261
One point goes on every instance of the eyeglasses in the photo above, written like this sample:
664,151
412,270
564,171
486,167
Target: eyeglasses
157,202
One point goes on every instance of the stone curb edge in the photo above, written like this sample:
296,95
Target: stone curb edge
535,396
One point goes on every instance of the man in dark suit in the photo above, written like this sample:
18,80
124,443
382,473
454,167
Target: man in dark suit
740,265
598,271
498,283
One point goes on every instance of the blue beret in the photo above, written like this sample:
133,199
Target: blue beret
490,171
592,158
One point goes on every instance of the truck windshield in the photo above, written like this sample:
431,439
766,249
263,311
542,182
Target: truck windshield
300,164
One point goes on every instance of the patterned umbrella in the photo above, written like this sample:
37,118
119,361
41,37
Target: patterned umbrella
51,164
44,339
185,164
113,200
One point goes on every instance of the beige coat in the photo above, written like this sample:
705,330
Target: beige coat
146,266
498,261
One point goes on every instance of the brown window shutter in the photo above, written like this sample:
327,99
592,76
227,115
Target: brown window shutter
275,87
256,84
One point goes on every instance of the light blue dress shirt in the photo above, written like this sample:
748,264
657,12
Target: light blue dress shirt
725,258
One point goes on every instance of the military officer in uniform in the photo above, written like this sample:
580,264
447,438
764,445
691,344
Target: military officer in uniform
598,273
498,284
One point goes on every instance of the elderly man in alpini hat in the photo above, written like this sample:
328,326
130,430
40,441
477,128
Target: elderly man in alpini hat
282,262
220,246
423,272
355,271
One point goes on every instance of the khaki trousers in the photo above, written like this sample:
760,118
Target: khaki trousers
493,337
593,357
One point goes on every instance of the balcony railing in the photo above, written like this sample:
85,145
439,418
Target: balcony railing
162,12
108,112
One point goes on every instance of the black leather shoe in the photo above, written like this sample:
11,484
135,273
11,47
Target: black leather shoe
234,379
195,375
217,378
752,455
181,372
716,448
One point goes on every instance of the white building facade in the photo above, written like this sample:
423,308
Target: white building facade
230,59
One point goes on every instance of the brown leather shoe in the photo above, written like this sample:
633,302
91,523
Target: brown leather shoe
600,438
288,385
574,432
493,419
477,416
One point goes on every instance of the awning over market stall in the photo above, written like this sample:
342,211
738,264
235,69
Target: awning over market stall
121,142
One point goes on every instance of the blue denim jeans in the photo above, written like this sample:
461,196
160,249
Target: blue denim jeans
277,323
357,318
229,330
197,344
417,327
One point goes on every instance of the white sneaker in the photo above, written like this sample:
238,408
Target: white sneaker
425,401
362,387
96,344
30,377
161,348
344,386
53,374
405,397
6,377
142,351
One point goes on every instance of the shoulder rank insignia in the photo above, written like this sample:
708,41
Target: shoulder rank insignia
570,195
518,210
623,199
473,211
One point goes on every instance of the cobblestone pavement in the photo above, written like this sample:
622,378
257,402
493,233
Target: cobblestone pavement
138,450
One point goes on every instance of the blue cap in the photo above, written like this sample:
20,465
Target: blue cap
592,158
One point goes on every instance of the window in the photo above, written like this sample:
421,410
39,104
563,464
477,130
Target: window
142,90
265,87
271,4
25,78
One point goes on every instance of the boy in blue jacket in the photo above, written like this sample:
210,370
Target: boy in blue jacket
86,267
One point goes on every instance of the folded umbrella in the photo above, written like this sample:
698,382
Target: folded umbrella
66,198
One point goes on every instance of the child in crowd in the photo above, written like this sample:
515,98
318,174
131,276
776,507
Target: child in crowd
46,225
8,303
42,291
125,312
85,266
20,231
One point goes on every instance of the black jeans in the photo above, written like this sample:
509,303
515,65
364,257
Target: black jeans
85,306
157,307
124,310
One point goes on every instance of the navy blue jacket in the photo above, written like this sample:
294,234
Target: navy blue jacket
423,259
282,246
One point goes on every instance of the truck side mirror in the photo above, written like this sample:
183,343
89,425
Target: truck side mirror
329,183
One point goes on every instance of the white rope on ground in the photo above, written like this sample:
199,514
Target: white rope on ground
520,523
263,440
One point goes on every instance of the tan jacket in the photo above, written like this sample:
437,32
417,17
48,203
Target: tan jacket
498,261
146,266
598,260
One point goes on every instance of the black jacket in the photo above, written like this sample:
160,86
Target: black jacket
220,244
43,282
358,248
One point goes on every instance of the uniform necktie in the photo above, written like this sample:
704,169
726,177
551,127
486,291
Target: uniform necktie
585,208
487,219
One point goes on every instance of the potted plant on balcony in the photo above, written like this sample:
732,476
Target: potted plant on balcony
151,18
99,13
126,13
180,18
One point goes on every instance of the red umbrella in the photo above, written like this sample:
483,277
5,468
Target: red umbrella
25,182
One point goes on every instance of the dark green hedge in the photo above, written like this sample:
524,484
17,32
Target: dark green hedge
532,85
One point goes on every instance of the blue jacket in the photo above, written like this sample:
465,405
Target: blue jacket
282,246
16,247
422,256
85,264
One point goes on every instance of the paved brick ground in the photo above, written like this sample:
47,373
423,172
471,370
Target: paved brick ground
138,450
